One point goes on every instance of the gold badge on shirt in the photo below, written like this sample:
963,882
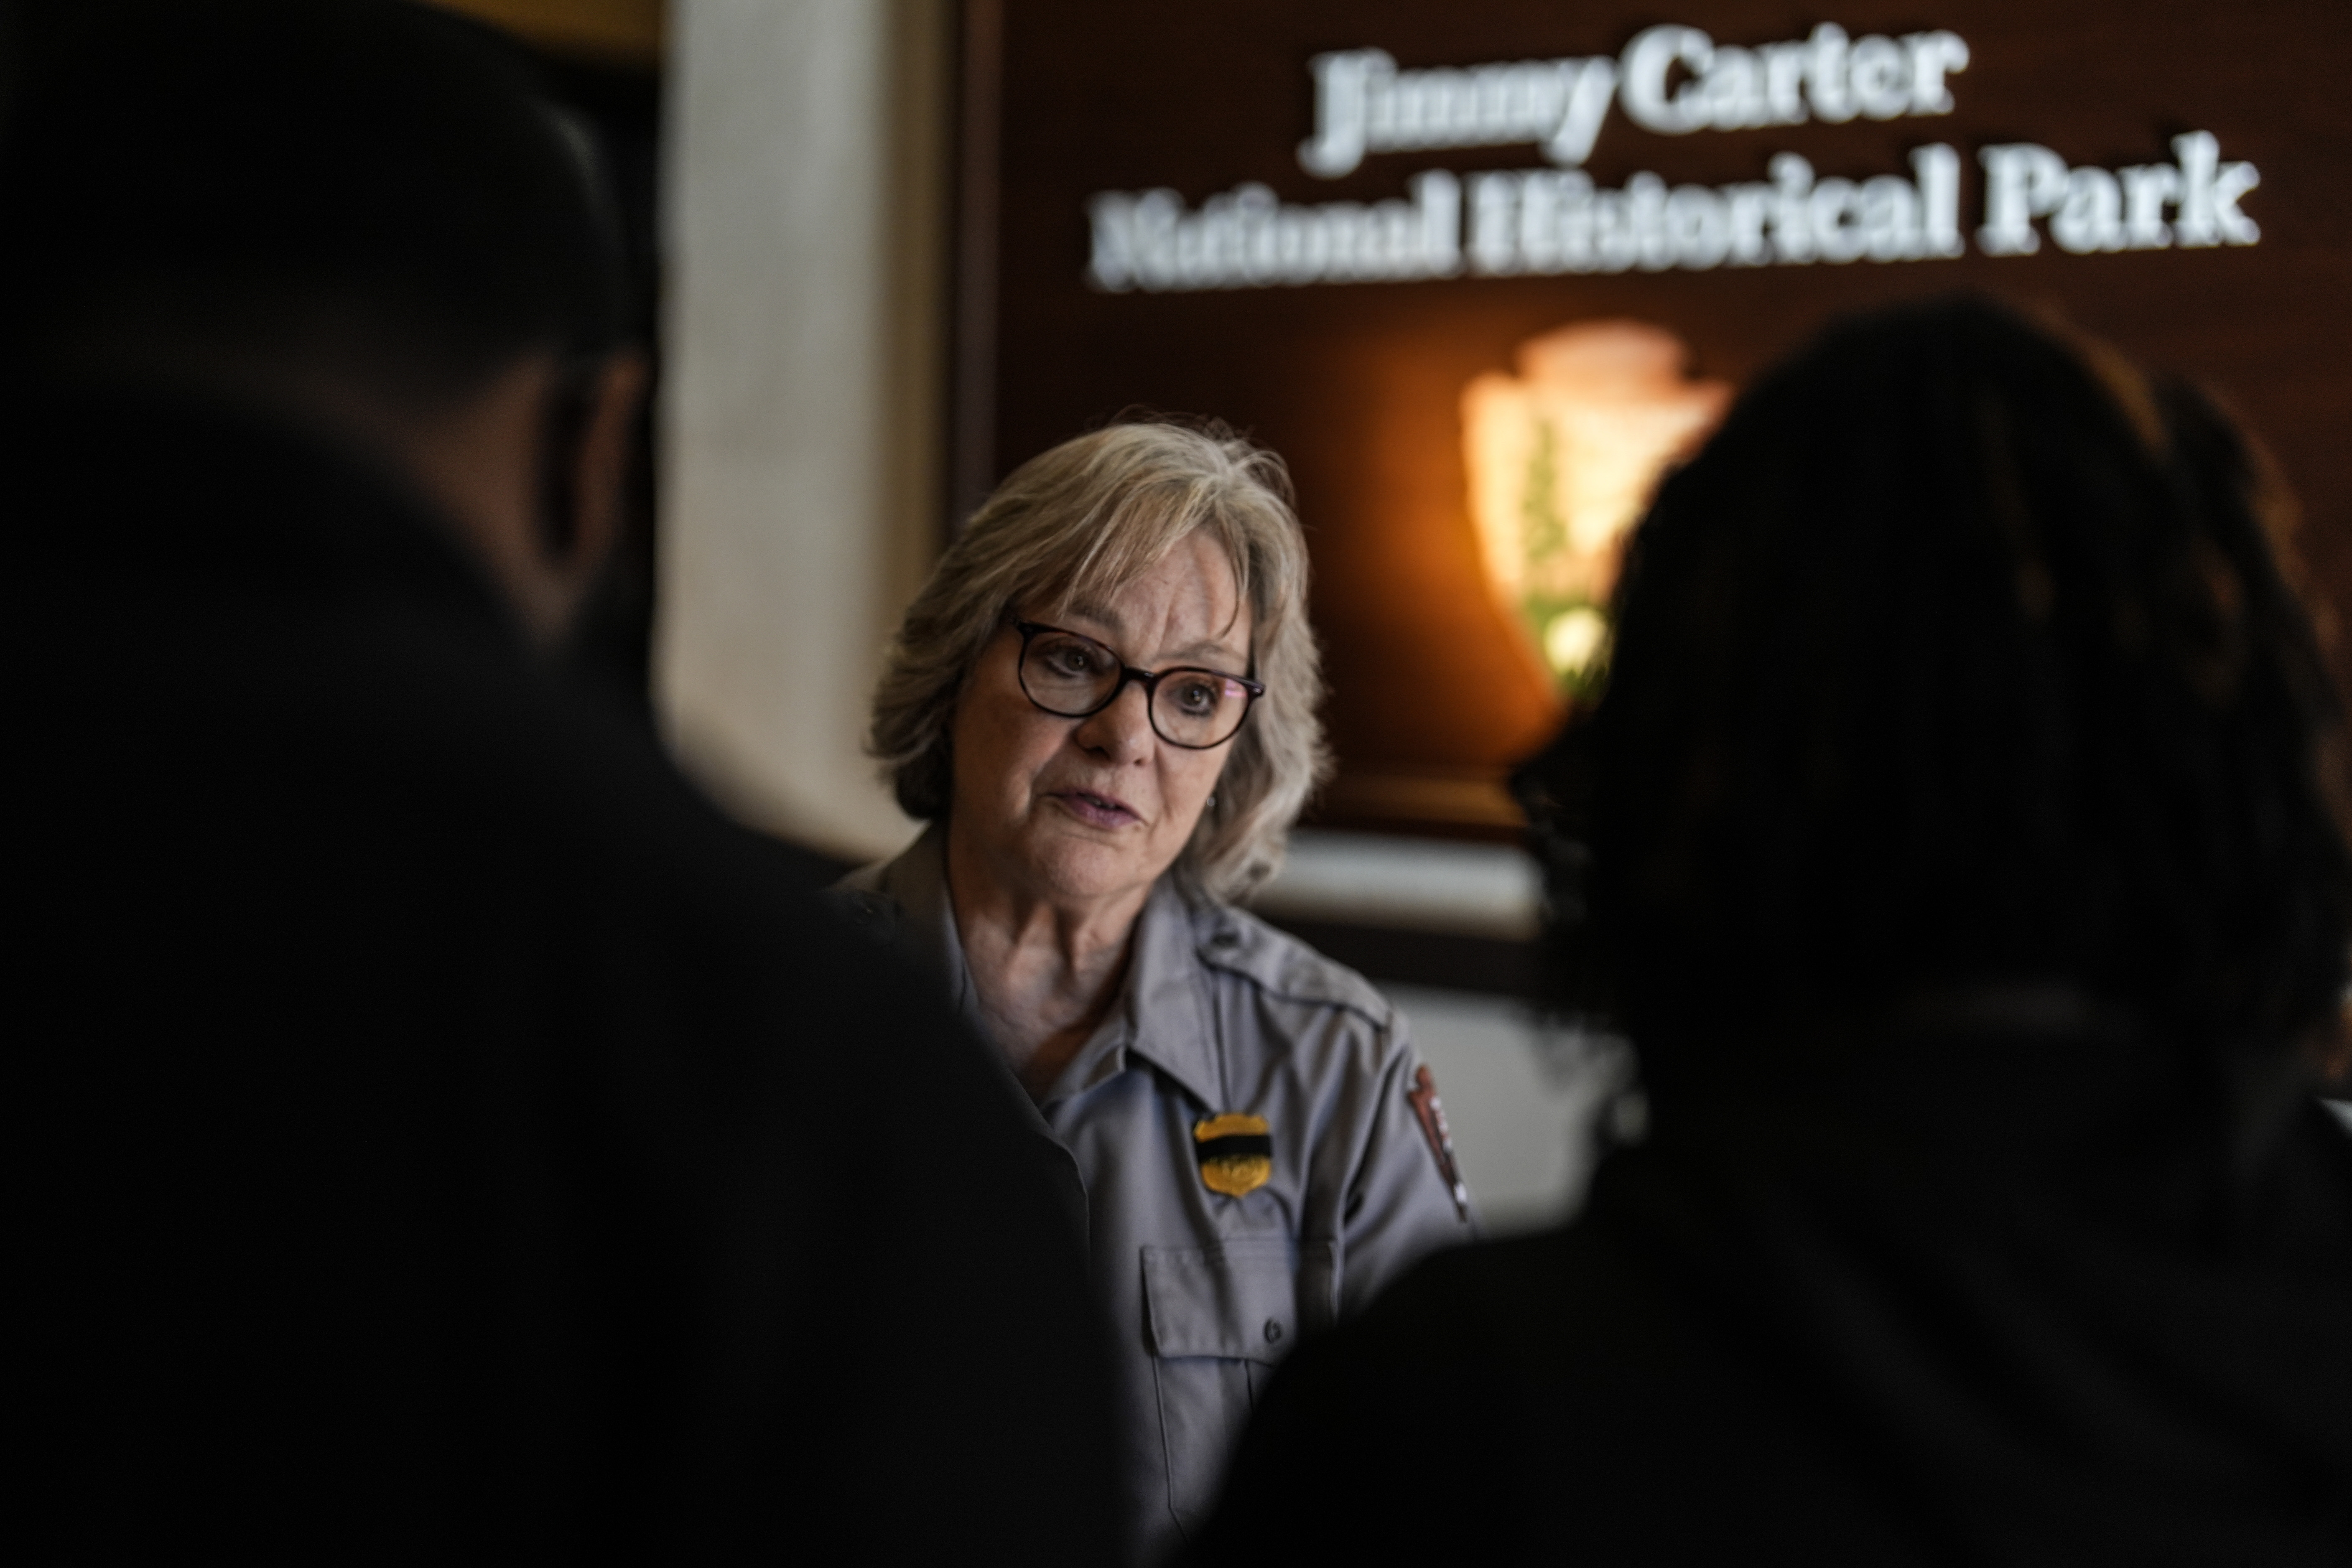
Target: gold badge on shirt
1235,1153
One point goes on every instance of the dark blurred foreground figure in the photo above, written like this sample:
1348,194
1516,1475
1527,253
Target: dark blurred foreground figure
1965,869
438,1136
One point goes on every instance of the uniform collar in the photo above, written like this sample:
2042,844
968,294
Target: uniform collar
1162,1017
916,882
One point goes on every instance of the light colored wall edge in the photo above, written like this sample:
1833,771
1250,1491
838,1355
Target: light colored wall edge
805,235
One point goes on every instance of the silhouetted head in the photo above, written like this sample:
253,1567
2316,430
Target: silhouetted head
1962,656
358,213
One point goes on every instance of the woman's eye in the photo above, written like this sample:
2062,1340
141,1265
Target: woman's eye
1071,659
1197,697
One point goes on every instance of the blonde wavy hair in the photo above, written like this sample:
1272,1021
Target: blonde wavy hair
1083,521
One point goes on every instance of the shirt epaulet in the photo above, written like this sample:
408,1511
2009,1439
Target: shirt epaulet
1239,942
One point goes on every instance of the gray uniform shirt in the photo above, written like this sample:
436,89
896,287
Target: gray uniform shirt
1205,1292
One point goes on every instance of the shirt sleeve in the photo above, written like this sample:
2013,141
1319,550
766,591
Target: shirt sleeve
1404,1200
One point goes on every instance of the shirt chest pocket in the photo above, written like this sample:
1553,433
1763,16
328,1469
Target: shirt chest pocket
1219,1318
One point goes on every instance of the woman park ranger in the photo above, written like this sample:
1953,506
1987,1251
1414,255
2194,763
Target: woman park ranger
1103,705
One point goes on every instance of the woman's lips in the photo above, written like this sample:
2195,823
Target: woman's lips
1102,811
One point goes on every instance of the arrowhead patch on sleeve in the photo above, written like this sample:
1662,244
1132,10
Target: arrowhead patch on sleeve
1432,1112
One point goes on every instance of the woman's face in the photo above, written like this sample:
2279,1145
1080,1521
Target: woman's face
1084,808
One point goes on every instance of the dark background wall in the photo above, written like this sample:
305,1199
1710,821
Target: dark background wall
1358,384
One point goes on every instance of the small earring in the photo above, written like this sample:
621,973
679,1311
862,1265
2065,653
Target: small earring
1213,799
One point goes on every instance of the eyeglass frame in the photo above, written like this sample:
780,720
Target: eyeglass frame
1130,676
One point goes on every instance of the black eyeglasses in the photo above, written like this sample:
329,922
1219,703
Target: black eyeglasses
1072,676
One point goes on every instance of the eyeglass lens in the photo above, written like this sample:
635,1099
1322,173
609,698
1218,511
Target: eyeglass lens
1072,676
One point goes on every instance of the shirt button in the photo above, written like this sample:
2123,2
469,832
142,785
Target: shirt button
1273,1332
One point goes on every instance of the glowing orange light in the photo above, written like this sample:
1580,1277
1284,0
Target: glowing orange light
1563,459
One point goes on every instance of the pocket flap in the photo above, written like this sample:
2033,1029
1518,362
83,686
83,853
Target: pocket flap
1238,1299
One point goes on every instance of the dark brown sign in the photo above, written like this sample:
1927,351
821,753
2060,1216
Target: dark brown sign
1431,251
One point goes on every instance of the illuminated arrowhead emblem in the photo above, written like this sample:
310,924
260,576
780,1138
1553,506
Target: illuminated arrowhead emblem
1563,459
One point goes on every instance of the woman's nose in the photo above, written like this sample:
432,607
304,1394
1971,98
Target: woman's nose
1121,731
